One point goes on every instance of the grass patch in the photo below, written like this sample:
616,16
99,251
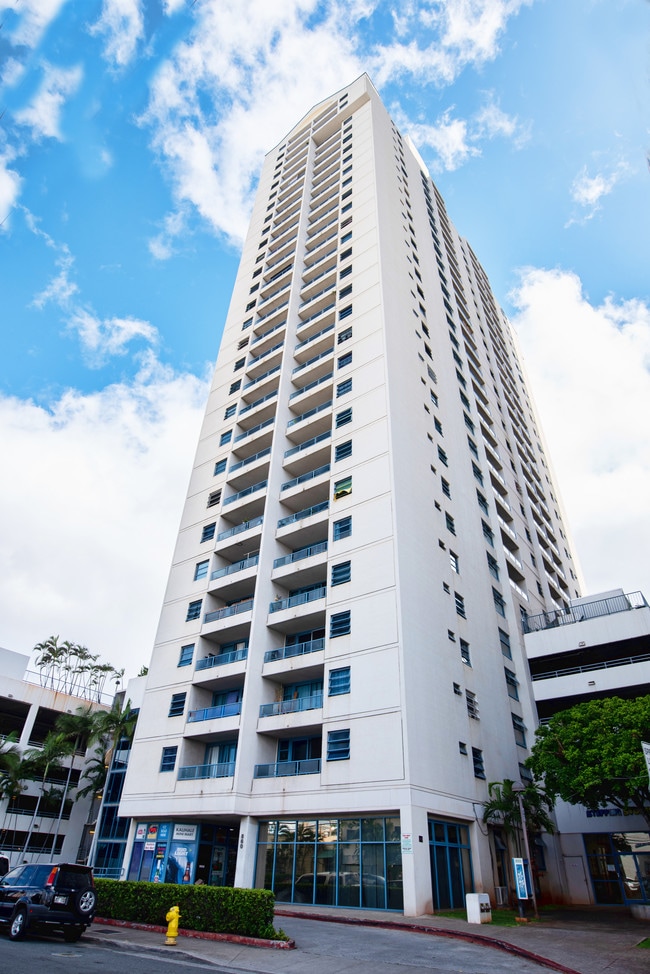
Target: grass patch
645,944
500,918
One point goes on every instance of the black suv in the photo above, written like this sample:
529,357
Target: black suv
57,897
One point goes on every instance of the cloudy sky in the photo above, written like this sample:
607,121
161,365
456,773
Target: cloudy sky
131,136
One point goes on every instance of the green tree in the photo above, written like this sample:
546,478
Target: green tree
502,808
13,773
40,761
591,755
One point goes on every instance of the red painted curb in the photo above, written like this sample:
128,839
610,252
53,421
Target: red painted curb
473,938
232,938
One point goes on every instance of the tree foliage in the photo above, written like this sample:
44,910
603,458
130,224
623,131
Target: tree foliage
591,755
502,808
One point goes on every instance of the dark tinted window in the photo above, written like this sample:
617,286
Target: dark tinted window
73,877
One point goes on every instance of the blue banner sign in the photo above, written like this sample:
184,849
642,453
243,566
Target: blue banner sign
520,878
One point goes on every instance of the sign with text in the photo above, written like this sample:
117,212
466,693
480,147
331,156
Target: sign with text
646,754
520,878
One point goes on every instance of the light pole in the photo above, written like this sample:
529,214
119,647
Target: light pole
519,790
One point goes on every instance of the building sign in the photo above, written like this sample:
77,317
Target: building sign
646,754
187,833
140,832
520,878
152,832
407,844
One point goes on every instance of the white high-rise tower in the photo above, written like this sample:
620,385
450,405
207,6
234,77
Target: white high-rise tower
339,666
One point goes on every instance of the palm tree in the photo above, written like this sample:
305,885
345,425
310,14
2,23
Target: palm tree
502,808
80,729
41,760
12,779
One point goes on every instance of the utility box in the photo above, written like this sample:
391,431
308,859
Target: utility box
478,908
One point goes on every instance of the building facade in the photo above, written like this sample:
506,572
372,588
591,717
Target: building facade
339,668
40,821
596,648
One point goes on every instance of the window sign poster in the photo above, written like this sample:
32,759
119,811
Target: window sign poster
180,862
185,832
159,863
152,832
163,831
140,832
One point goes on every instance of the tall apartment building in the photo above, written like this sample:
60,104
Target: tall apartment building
339,666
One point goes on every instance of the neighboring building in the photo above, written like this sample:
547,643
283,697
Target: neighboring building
339,667
30,710
598,647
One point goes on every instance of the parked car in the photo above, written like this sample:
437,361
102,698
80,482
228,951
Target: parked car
52,897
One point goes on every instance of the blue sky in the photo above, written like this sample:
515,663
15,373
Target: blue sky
131,136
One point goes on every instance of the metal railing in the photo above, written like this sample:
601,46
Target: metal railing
311,442
234,656
295,649
228,610
584,611
192,772
312,549
238,528
300,599
256,456
304,477
255,429
237,566
210,713
311,385
285,769
311,361
310,412
315,702
246,492
590,667
300,515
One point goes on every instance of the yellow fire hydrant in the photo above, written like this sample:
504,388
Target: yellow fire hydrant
172,918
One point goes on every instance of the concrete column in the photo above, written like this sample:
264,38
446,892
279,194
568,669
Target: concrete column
246,850
416,865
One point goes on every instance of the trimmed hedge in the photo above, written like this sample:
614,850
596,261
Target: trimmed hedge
217,909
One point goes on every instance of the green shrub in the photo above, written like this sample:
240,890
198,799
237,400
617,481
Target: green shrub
216,909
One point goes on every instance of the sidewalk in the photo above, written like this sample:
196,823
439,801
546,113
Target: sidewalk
570,941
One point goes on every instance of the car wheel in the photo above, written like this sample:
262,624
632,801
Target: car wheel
72,934
86,901
18,925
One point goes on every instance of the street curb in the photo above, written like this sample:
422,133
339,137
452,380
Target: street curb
233,938
473,938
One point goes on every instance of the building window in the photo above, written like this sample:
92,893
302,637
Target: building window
225,438
168,758
479,767
347,290
207,534
338,745
341,573
520,730
201,569
472,446
342,529
345,312
451,636
339,681
460,605
477,473
493,566
344,336
345,360
220,467
344,417
340,624
230,410
214,498
499,603
442,456
462,747
504,639
343,388
186,655
342,488
234,387
446,489
449,521
472,704
464,652
488,534
482,502
512,683
239,364
454,561
343,451
438,426
194,610
177,706
457,690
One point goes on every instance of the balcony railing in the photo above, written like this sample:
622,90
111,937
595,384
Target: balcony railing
312,442
316,314
300,599
256,456
255,429
234,656
311,385
584,611
313,549
285,769
238,528
295,649
229,610
264,375
590,667
304,477
311,361
191,772
245,493
310,412
210,713
237,566
315,702
300,515
258,402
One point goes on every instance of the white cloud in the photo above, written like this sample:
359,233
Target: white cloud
122,24
34,17
588,191
10,183
101,338
43,114
61,288
91,509
590,372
